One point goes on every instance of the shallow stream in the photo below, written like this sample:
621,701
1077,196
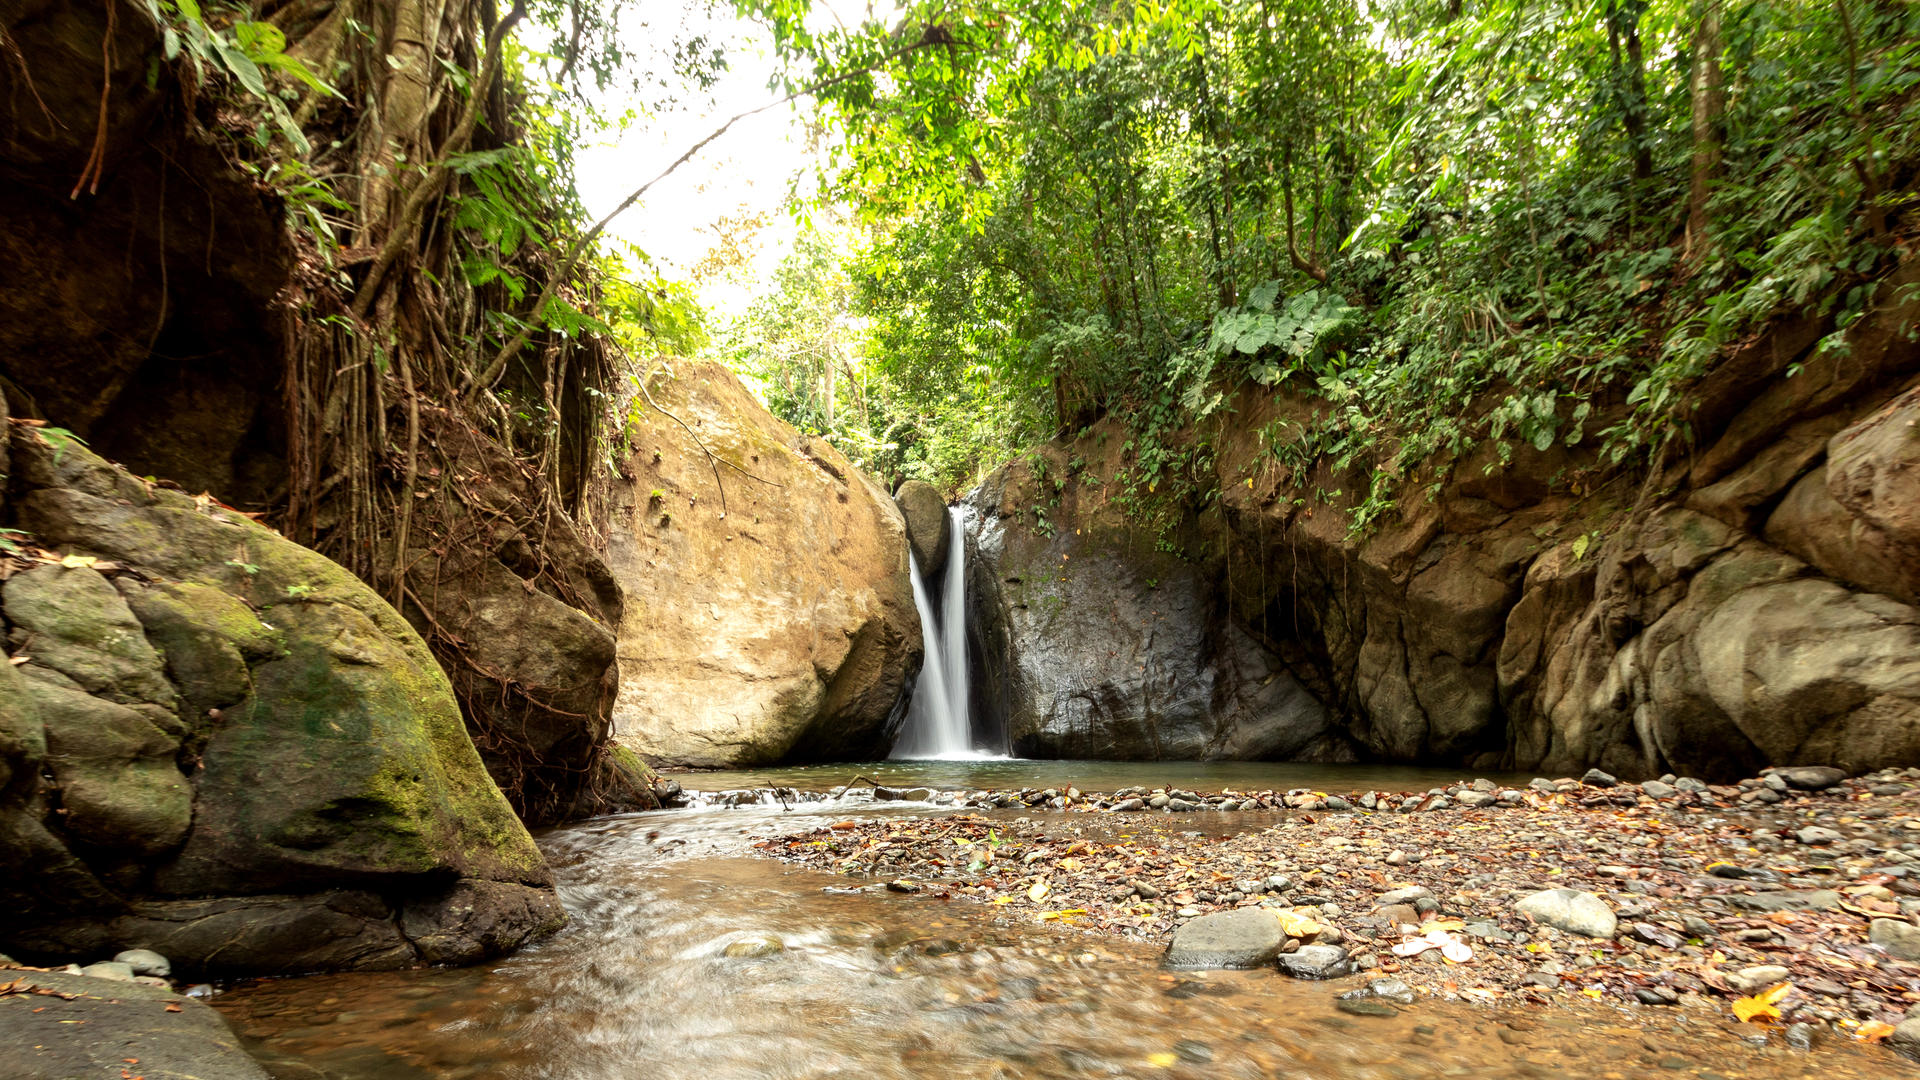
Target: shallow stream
875,984
1003,773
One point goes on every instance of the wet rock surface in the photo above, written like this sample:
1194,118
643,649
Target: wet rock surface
1096,643
56,1026
925,512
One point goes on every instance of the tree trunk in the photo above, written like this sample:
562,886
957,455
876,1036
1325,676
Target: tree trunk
1630,71
1709,102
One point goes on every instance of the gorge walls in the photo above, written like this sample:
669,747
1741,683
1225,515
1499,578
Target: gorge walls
1746,606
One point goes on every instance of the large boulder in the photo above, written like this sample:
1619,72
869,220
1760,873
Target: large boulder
769,608
198,709
926,516
1098,643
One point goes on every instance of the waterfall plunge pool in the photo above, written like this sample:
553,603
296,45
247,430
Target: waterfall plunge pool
999,773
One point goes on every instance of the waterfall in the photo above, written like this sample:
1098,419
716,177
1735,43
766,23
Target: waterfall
937,717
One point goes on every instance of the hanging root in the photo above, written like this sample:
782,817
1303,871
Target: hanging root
97,159
12,49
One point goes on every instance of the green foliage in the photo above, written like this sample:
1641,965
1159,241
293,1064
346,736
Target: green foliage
1441,223
59,438
221,38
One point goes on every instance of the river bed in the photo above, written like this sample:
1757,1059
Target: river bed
875,984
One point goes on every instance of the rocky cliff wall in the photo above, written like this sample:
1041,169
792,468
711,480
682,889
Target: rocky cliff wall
1749,605
1095,643
166,313
769,611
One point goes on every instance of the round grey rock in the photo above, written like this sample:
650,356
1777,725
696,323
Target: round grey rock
1315,962
1752,980
108,969
1900,938
1571,910
1810,777
1245,938
145,962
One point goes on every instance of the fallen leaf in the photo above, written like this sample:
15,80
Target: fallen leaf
1039,890
1761,1005
1875,1031
1164,1061
1294,924
78,562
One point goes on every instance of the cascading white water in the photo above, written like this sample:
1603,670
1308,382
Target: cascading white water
937,718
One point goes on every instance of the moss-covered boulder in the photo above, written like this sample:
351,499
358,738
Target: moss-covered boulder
199,711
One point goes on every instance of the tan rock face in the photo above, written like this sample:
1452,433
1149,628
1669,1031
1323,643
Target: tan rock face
781,626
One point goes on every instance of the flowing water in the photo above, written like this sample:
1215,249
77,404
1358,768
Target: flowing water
1005,773
938,721
824,982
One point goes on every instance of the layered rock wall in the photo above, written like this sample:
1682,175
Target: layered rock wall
1751,605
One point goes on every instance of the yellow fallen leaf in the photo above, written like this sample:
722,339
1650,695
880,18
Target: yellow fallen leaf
1593,993
1294,924
1431,925
1875,1031
1760,1005
1003,899
1165,1061
1066,915
1039,891
76,562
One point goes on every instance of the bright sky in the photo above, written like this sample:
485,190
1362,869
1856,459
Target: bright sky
748,170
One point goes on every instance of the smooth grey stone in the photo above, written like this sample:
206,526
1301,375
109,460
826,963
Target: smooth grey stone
1570,910
1246,938
1810,777
1787,900
145,962
1315,962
